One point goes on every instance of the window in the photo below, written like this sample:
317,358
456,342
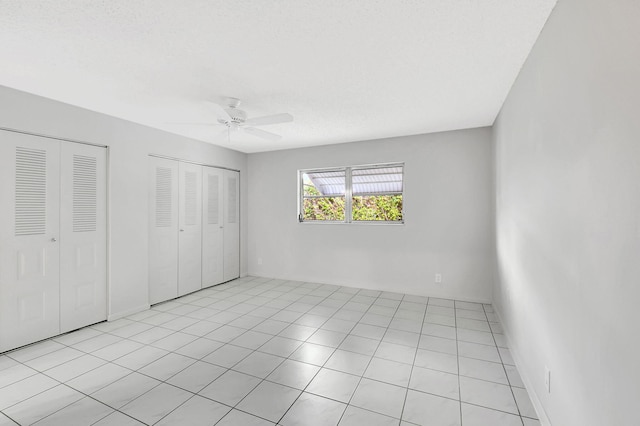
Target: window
371,194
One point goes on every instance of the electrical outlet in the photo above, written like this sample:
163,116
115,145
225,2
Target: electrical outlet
547,379
259,261
438,278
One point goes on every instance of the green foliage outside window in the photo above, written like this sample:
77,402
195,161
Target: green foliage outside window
364,208
322,208
377,207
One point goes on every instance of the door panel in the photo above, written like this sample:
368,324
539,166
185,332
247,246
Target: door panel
83,236
212,226
163,230
29,232
190,229
231,225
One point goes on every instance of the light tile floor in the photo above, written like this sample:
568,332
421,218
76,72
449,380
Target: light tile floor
257,351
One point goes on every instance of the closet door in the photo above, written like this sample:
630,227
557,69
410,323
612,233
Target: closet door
29,236
163,229
212,226
83,235
231,225
190,227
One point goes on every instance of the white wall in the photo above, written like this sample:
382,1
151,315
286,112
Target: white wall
568,214
448,192
129,146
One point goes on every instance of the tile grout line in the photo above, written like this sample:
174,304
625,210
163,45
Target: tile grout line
503,366
163,381
455,321
106,362
245,373
198,393
78,390
265,379
415,356
286,358
251,353
372,356
335,309
328,358
370,306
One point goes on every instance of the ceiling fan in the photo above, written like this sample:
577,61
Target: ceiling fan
235,119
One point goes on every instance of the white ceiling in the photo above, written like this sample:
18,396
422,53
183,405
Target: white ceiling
346,70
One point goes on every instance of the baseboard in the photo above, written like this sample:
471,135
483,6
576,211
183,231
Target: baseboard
350,285
118,315
535,400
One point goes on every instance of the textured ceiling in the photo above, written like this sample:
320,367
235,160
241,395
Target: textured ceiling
346,70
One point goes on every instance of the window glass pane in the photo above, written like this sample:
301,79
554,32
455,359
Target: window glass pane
377,207
324,183
323,208
324,195
381,180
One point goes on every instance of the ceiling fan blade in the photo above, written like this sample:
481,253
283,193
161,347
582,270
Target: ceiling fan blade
187,123
220,112
261,134
269,119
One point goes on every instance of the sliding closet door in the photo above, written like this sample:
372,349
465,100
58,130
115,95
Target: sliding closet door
29,239
83,235
212,226
231,225
190,227
163,229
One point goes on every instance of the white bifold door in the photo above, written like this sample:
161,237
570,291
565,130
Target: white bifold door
194,233
220,227
83,236
231,225
163,230
53,234
190,224
212,226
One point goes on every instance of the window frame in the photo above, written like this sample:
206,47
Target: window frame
348,194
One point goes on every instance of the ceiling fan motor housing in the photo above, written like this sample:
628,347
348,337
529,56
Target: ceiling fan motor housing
238,116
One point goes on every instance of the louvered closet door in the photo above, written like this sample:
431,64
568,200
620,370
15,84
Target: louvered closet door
29,239
163,229
231,225
83,236
190,232
212,226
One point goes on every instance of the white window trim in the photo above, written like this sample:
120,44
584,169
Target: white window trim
348,194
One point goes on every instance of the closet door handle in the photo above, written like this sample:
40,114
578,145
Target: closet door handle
53,240
182,230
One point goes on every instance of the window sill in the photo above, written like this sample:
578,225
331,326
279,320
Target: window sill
359,223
